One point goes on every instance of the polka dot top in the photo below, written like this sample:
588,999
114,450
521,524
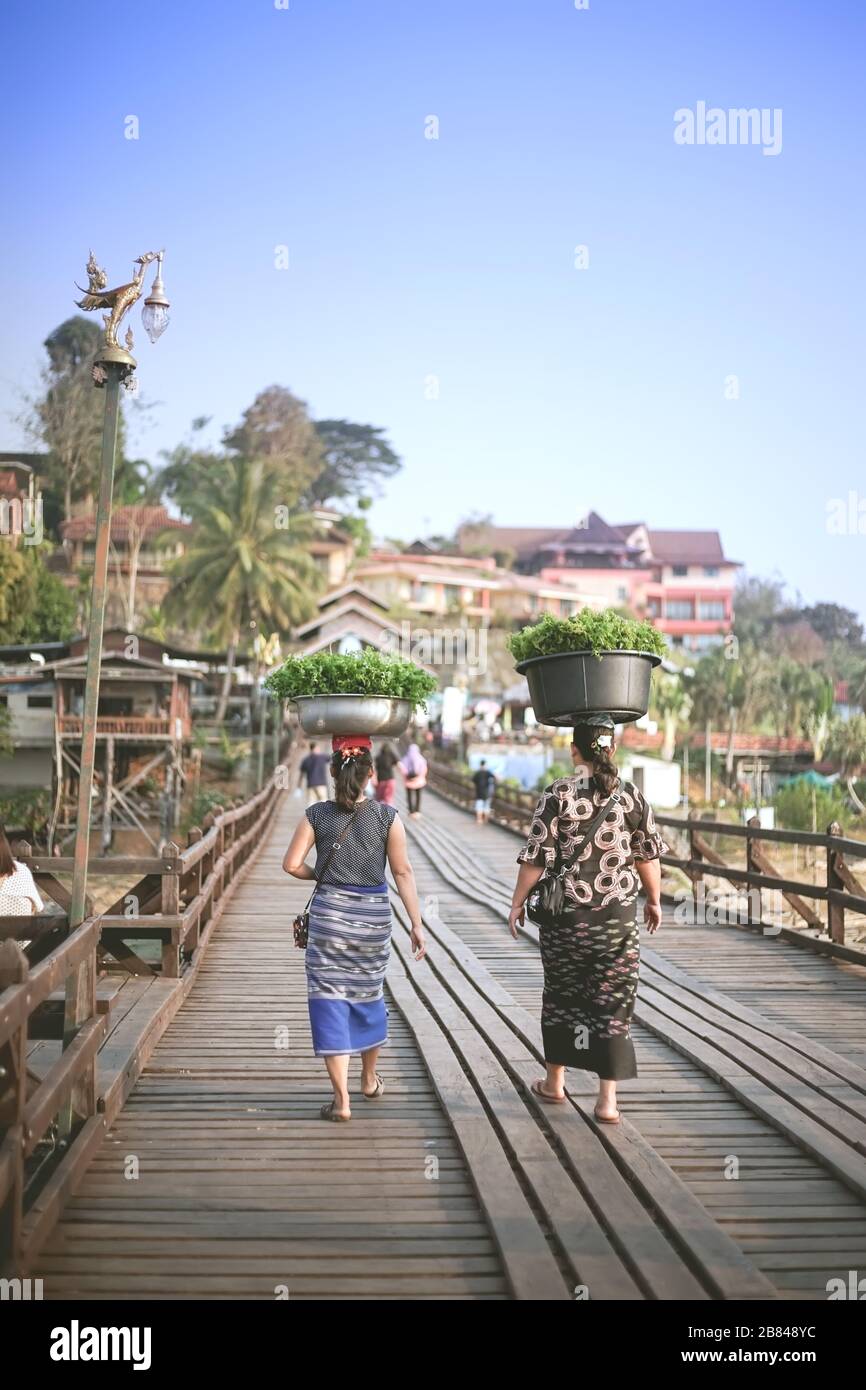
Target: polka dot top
360,859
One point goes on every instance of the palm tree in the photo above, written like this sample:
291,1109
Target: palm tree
817,719
847,746
672,705
718,691
243,567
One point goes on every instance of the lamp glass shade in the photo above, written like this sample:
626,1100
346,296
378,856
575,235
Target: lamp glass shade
155,319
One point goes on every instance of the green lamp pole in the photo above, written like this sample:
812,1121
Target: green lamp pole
113,366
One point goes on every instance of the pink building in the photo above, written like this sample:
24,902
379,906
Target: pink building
680,580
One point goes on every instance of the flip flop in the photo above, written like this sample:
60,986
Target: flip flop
536,1090
374,1095
328,1112
606,1120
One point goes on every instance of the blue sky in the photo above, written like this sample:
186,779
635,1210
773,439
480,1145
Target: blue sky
409,258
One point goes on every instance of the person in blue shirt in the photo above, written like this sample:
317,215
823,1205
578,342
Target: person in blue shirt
314,771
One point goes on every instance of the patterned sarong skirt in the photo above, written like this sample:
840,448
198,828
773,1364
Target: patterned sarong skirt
347,954
591,959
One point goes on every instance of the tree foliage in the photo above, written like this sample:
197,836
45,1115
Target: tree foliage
34,605
356,460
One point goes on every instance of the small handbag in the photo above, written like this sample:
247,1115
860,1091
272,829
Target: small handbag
548,898
301,924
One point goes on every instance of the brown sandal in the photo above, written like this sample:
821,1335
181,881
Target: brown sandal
328,1112
536,1089
380,1088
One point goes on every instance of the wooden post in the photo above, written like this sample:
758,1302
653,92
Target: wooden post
835,911
80,1006
13,1083
278,720
752,867
192,940
170,906
695,875
107,794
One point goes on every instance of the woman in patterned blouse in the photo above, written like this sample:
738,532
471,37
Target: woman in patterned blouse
590,951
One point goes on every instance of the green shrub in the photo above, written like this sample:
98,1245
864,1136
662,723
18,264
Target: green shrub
587,631
27,809
793,805
351,673
553,774
204,802
233,752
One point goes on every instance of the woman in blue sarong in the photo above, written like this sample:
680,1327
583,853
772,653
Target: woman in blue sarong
350,919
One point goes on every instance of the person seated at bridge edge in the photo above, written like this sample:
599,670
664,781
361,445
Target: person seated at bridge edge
598,833
349,938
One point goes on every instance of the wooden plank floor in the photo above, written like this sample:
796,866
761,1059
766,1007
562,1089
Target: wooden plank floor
800,1225
219,1180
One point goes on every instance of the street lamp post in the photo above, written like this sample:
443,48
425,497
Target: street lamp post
113,366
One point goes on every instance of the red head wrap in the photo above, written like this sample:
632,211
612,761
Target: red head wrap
350,744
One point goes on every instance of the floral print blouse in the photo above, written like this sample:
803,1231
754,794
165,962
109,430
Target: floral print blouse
604,870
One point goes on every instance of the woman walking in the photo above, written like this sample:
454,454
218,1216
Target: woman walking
19,896
350,919
413,766
386,782
598,836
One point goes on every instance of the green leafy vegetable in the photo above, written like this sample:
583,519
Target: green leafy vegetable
351,673
588,630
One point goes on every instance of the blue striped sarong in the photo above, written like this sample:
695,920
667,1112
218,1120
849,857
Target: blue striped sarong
347,954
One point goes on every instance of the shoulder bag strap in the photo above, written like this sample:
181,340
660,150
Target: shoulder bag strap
331,852
590,830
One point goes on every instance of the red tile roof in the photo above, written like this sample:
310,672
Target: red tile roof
9,484
151,520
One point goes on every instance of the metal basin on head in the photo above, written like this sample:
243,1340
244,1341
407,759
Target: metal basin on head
354,714
568,684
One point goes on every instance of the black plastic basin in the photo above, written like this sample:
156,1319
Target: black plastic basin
574,683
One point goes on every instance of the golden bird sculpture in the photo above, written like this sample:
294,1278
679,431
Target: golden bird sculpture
118,300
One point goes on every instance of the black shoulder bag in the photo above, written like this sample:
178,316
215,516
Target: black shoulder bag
301,924
548,898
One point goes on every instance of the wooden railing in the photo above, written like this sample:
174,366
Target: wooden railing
121,724
178,900
841,890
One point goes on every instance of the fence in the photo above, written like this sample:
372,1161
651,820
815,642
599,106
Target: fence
841,891
178,900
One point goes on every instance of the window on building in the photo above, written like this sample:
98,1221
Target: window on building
711,610
679,571
681,608
622,594
711,571
40,702
653,608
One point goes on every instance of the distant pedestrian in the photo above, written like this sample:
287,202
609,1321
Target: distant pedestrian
413,766
19,896
484,782
314,771
386,774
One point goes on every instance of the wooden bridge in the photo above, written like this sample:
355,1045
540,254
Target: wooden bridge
195,1164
